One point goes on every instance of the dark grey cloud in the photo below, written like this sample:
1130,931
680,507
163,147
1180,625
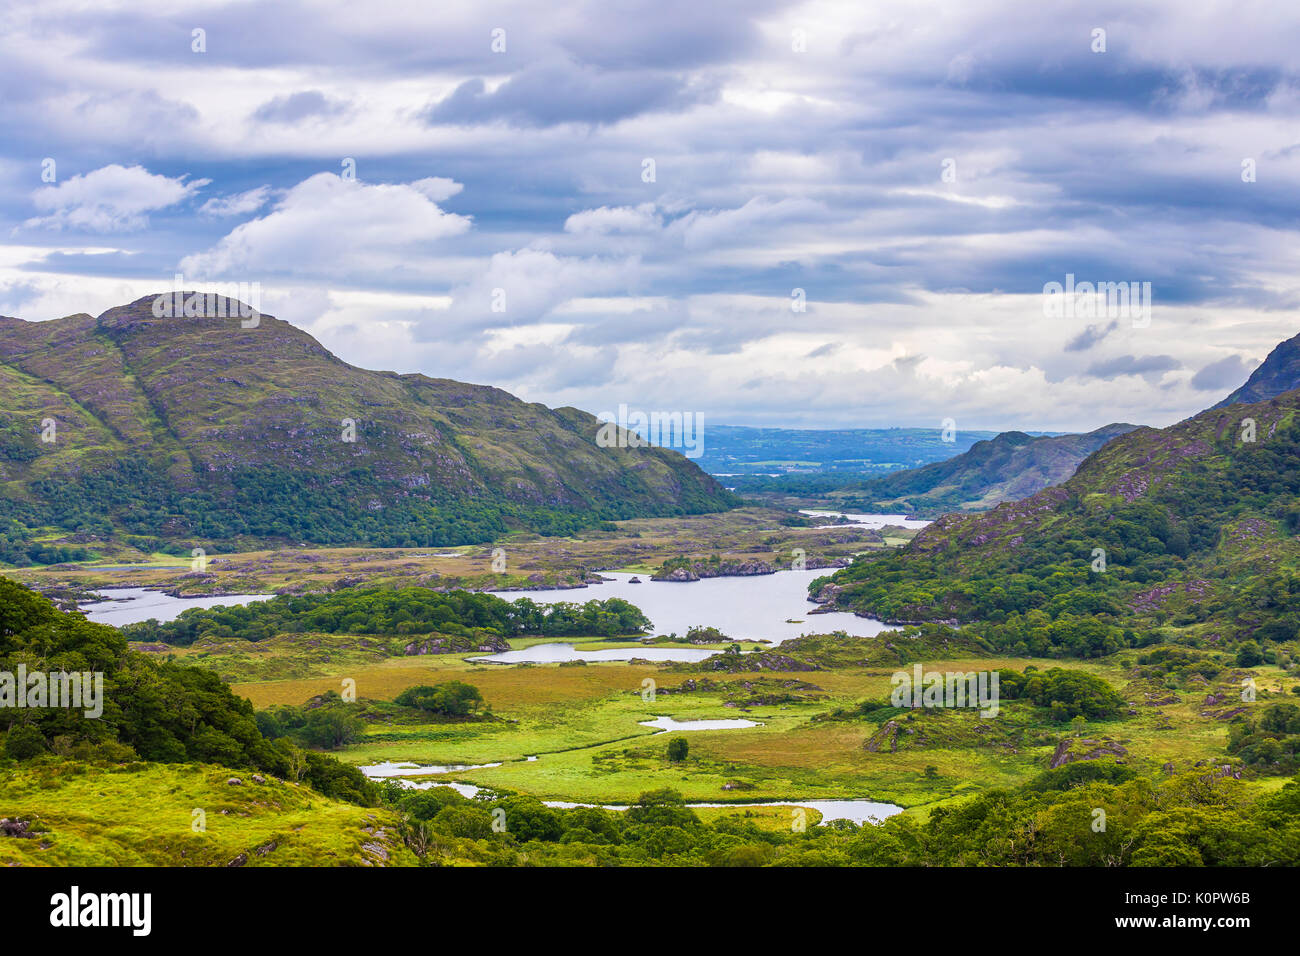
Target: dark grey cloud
1090,336
1148,366
569,93
1114,167
1224,375
296,107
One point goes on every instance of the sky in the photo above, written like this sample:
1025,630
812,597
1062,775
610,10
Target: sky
821,214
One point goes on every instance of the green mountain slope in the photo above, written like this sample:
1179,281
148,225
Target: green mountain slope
1009,467
1191,526
197,428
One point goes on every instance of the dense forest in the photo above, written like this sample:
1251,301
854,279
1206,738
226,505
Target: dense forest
400,611
1080,572
152,710
259,504
1193,819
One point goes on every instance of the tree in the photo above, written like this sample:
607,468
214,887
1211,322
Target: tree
331,727
1249,654
677,749
24,741
452,698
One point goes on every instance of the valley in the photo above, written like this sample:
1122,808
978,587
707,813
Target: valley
603,656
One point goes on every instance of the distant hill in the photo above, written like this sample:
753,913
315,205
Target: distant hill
1278,373
1191,526
742,449
1009,467
197,429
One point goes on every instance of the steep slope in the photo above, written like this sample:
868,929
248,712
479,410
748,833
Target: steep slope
1278,373
1192,525
1006,468
189,428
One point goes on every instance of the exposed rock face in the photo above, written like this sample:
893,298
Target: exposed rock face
443,644
1072,749
707,569
762,661
885,736
12,827
828,593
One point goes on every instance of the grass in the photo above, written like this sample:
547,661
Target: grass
583,723
144,815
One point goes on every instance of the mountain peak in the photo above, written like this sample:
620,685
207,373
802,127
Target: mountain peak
204,425
1278,373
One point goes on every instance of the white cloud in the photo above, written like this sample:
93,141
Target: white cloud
618,219
437,188
112,199
328,226
240,204
525,285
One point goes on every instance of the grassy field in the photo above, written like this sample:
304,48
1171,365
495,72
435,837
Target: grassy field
582,723
146,815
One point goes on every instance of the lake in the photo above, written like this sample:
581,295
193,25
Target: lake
559,653
858,811
867,521
667,724
133,605
771,607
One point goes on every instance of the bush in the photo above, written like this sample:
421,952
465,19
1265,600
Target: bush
452,698
1249,654
24,742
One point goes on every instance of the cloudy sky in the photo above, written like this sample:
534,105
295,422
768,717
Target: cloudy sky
595,203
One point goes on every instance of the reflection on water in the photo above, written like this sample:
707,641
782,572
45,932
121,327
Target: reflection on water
133,605
668,723
866,521
757,607
858,811
556,653
381,771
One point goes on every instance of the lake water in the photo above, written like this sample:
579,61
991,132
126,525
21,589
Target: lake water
133,605
859,811
771,607
667,724
558,653
867,521
382,771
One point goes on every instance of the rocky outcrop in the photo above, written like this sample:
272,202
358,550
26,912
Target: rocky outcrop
886,736
444,644
1073,749
694,571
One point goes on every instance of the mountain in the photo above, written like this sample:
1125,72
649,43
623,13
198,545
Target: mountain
198,429
743,450
1190,528
1278,373
1009,467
